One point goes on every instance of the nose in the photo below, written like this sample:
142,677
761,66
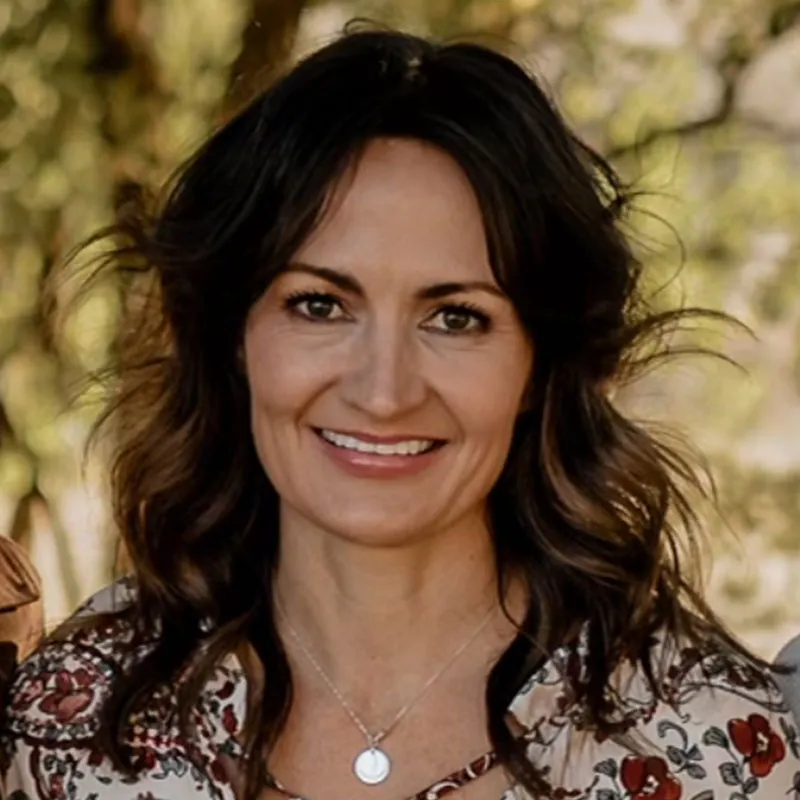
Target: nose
384,379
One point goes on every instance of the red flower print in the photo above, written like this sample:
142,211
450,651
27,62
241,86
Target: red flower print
218,771
149,758
71,695
95,758
649,779
758,743
57,786
226,691
229,721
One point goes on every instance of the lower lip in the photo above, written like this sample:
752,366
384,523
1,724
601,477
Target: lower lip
373,465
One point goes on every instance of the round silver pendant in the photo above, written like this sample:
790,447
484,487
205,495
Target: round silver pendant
372,766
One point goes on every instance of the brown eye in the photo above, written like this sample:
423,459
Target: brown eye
459,319
315,306
319,308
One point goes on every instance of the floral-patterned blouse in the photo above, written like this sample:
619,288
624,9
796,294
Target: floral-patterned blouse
721,735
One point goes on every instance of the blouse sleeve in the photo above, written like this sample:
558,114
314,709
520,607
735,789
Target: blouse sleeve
50,718
728,734
47,739
52,708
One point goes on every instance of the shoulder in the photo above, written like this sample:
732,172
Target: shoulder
723,726
52,715
115,597
56,691
717,726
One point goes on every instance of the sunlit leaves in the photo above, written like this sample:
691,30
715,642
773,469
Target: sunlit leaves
68,133
718,167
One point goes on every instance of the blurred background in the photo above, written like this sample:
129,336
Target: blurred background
696,102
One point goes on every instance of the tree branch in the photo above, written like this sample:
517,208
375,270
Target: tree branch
267,43
730,66
689,128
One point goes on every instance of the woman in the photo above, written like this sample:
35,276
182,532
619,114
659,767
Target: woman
383,519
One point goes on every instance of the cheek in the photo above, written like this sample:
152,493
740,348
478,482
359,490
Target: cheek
282,376
279,388
487,397
492,415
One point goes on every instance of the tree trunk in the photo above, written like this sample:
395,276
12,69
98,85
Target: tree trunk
267,45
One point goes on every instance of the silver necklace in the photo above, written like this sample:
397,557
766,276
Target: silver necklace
372,765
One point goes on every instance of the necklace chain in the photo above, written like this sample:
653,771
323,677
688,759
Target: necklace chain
373,739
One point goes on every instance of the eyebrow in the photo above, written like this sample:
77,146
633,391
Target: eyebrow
349,283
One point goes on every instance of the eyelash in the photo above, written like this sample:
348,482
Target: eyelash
298,298
483,320
481,317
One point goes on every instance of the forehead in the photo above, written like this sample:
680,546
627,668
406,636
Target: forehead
407,210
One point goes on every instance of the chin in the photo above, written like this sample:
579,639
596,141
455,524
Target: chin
375,530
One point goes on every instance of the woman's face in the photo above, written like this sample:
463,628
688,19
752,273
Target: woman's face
386,367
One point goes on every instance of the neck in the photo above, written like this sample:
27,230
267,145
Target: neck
399,611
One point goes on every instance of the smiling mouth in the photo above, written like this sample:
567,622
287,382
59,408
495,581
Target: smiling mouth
406,447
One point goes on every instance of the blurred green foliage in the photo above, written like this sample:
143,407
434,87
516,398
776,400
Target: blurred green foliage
695,102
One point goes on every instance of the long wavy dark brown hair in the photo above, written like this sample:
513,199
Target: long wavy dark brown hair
592,508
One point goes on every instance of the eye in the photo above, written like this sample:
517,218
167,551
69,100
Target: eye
459,319
316,306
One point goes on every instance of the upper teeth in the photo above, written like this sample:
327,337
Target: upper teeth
408,448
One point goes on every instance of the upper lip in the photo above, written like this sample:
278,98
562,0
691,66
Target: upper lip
374,439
